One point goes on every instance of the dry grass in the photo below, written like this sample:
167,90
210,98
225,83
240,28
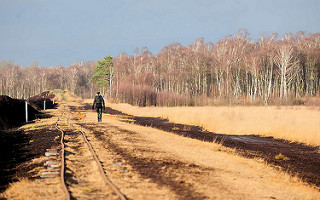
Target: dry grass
297,124
32,126
234,177
65,95
281,157
38,189
72,97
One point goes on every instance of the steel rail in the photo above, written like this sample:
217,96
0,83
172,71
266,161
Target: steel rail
103,174
105,178
62,178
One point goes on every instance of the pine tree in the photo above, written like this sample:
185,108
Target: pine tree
102,73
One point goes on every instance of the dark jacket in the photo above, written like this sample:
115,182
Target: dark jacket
98,102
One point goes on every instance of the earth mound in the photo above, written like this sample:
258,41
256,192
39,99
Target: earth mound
37,101
12,112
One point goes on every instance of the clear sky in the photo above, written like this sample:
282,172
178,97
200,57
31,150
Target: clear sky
61,32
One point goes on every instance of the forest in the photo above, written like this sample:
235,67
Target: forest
235,70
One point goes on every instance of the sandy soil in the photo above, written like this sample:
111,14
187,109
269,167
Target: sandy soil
147,163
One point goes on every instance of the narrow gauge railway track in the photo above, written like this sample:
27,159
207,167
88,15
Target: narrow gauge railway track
66,186
105,178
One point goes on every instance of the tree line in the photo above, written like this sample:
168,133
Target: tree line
234,70
23,82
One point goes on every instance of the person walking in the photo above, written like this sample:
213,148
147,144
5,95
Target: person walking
98,103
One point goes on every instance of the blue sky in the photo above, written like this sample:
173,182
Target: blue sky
61,32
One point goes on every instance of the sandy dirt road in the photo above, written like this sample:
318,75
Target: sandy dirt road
146,163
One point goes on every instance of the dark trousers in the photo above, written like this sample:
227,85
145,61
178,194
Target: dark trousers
99,111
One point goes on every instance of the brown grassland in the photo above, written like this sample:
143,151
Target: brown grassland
154,159
293,123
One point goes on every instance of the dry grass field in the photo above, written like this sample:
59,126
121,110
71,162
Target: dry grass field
295,123
157,164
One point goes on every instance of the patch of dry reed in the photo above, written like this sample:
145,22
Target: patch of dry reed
295,123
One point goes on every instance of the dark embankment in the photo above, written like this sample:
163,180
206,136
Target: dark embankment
12,111
37,101
18,146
